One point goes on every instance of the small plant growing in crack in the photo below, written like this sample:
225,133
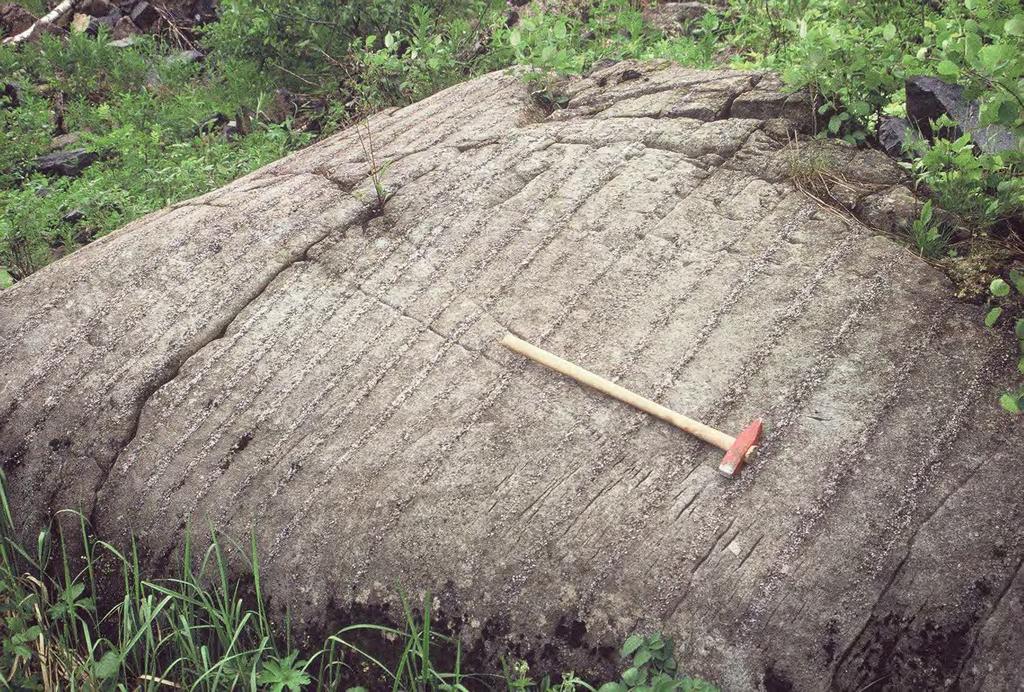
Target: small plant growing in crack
377,170
1005,303
930,239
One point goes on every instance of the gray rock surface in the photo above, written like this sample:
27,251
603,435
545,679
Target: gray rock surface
894,134
271,357
70,162
929,98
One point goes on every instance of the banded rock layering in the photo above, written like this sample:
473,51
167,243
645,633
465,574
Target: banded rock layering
277,357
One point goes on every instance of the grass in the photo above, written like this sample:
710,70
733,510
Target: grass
375,169
143,111
206,629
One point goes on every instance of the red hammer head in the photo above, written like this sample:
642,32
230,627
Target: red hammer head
743,449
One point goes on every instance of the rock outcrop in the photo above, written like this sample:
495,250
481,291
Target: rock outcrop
276,357
930,98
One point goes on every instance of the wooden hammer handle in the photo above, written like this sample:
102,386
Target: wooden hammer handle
696,428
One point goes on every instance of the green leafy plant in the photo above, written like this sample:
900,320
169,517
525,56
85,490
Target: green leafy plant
980,44
1007,298
929,237
285,673
652,667
983,189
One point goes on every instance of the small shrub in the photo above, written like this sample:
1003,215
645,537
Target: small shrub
983,189
931,240
652,666
1007,306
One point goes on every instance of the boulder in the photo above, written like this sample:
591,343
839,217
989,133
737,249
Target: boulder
123,33
10,95
69,162
283,359
929,98
14,19
143,14
894,134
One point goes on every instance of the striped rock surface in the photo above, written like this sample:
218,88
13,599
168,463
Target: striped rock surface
276,357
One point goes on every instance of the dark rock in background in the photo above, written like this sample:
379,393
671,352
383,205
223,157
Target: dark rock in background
122,32
929,98
144,15
895,135
10,95
97,8
14,19
65,163
282,106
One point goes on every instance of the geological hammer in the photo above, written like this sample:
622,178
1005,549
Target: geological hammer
738,450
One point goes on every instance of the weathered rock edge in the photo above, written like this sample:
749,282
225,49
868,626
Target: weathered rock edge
272,357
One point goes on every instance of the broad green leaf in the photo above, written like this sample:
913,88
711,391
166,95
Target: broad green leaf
1010,402
993,56
633,677
1018,329
6,280
972,44
889,32
999,288
613,687
993,316
643,656
1020,366
631,644
860,108
947,68
1017,277
1014,26
1005,113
